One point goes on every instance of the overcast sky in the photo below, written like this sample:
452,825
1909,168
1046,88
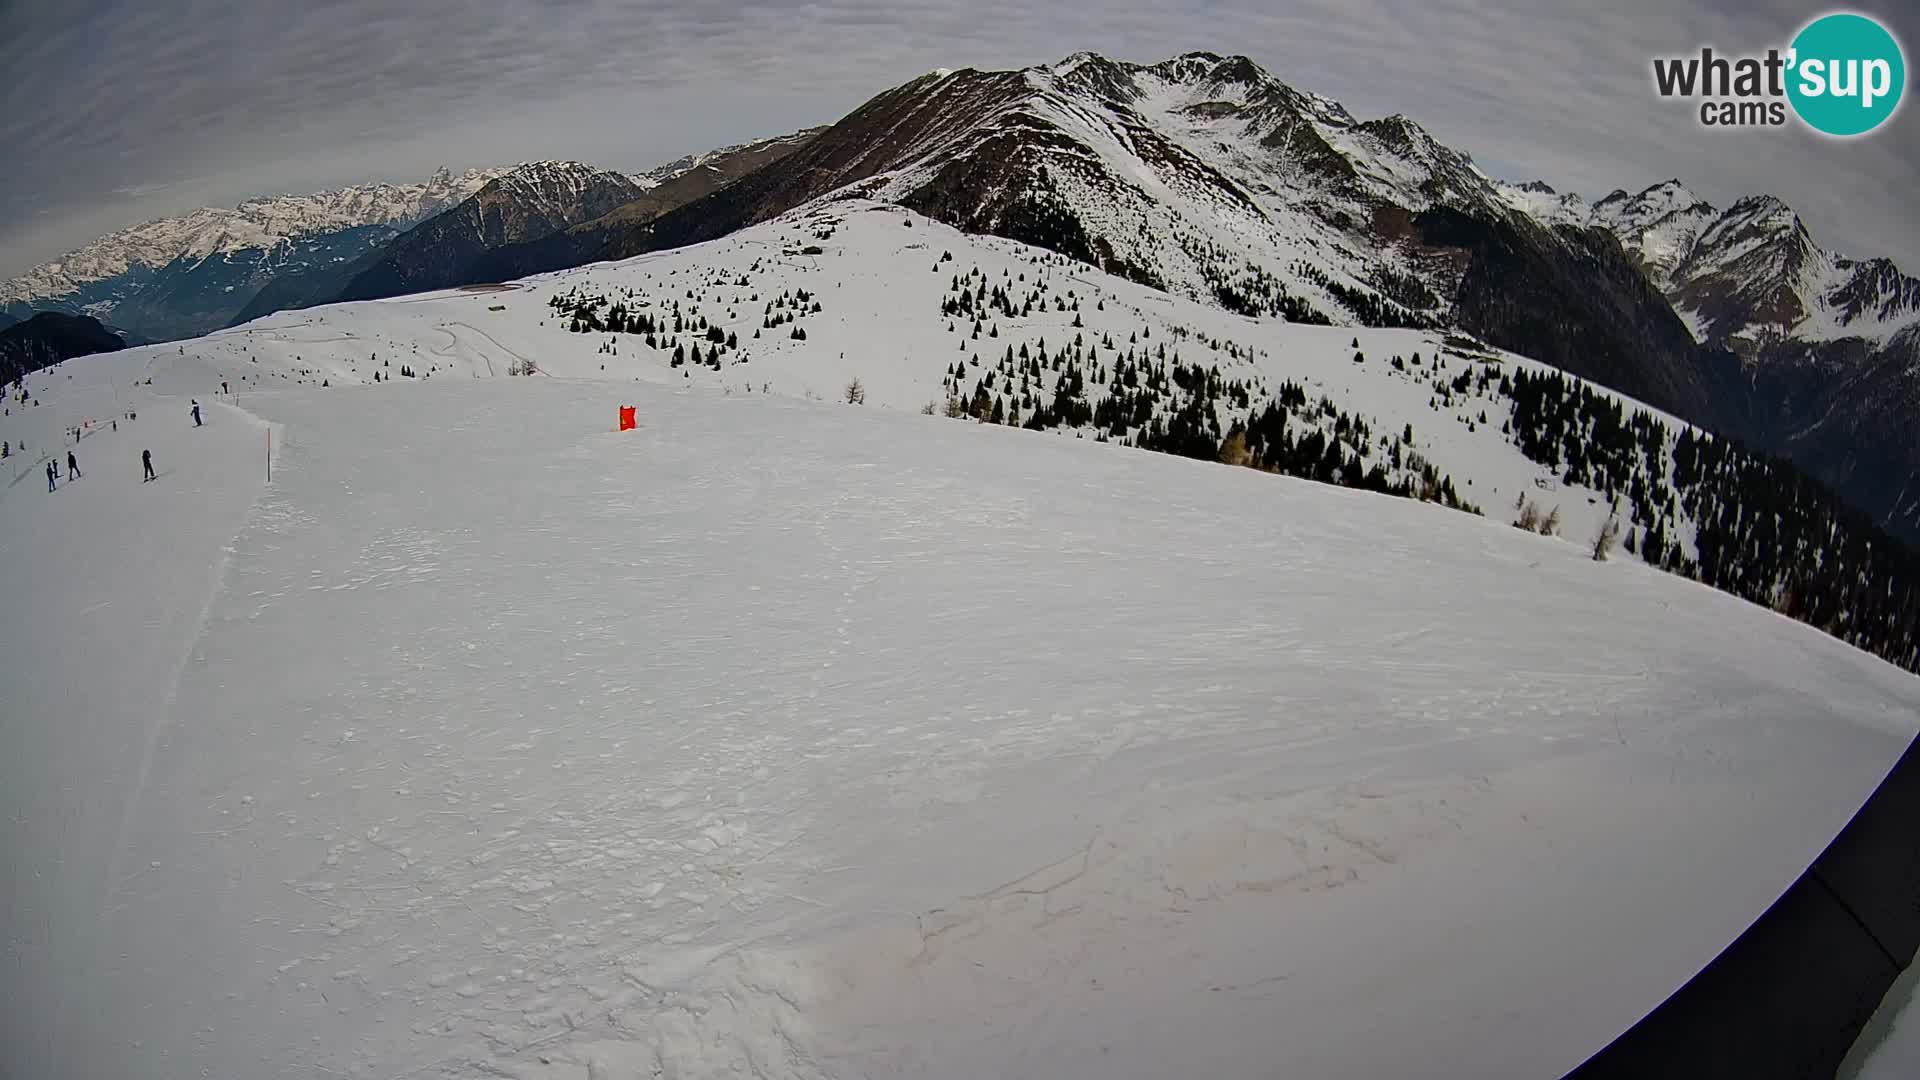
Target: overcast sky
115,112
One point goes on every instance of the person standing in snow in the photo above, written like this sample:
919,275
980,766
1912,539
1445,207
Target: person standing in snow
73,466
50,475
146,461
196,413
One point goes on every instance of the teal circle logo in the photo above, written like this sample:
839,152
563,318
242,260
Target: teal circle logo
1847,74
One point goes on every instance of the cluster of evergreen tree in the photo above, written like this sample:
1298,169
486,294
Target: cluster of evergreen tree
1405,289
1256,293
787,309
671,329
1762,530
681,331
1371,308
1343,452
971,296
1150,397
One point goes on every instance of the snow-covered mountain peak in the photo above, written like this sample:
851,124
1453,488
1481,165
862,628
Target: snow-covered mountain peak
1756,218
1214,72
550,172
1539,200
1401,134
1747,276
1074,61
556,188
1760,253
1648,206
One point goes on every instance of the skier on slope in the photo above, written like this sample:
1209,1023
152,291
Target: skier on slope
196,413
73,466
146,462
50,474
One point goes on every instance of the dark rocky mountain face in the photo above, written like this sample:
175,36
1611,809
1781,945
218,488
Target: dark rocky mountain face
47,339
288,292
193,296
1845,411
1572,298
529,202
893,129
1817,350
515,229
697,177
675,186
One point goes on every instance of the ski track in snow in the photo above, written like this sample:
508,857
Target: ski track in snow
106,582
780,738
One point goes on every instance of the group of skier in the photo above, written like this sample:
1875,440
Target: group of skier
53,470
146,456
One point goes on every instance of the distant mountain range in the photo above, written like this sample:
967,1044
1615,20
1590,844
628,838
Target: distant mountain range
1203,176
185,276
178,277
1828,348
531,199
1747,277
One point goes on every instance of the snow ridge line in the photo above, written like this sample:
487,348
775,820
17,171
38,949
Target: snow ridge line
162,720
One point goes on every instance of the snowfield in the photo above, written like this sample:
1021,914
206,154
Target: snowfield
791,738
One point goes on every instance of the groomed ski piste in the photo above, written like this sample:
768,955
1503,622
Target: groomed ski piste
787,737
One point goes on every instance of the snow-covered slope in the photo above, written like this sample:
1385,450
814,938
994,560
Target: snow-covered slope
928,317
881,277
792,738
